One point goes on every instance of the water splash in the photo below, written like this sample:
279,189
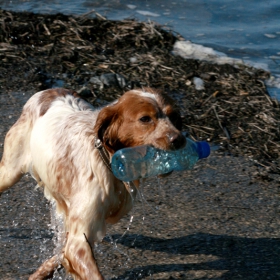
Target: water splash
132,190
115,245
59,239
57,227
144,201
60,274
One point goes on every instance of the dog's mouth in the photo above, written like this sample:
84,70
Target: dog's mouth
171,142
177,142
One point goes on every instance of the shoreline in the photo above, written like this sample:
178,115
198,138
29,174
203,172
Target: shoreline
101,59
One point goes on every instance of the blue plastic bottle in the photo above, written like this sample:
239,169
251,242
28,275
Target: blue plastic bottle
130,164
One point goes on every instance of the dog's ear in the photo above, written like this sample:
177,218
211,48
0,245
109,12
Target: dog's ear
172,109
104,118
176,119
105,127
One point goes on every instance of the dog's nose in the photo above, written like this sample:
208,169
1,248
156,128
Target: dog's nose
177,140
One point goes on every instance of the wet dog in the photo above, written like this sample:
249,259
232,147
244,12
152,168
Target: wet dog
66,145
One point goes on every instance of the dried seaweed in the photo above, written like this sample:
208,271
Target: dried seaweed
234,111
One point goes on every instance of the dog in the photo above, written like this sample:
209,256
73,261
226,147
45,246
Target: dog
66,144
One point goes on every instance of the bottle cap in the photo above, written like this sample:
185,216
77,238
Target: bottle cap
203,149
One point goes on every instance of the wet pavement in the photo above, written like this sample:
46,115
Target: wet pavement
218,221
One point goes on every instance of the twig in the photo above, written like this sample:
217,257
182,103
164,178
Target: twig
195,128
274,143
47,30
220,124
269,99
261,129
99,16
212,95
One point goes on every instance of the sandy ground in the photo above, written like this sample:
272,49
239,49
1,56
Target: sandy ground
218,221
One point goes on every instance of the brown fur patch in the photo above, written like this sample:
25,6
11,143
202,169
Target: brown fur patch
90,177
50,95
81,253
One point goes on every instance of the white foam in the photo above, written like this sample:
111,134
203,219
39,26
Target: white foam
275,57
147,13
258,65
187,49
273,86
273,81
270,36
132,7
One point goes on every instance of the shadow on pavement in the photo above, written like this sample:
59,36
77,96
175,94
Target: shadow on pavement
241,258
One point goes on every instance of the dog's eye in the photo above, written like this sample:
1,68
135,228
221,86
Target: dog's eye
145,119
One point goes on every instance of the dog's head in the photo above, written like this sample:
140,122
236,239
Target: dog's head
140,117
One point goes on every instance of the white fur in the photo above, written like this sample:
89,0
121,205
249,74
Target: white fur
146,94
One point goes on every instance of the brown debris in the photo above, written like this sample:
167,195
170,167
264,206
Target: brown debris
234,111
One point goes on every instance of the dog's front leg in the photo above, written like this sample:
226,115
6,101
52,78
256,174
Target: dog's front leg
79,259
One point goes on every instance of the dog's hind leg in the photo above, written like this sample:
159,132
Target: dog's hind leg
16,157
47,269
79,259
82,232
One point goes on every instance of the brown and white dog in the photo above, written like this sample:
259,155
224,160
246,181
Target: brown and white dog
66,145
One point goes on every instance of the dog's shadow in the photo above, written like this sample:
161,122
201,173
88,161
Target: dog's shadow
240,258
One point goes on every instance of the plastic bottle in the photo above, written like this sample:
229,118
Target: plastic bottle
130,164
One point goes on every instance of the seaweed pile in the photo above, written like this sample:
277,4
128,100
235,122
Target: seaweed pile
101,59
